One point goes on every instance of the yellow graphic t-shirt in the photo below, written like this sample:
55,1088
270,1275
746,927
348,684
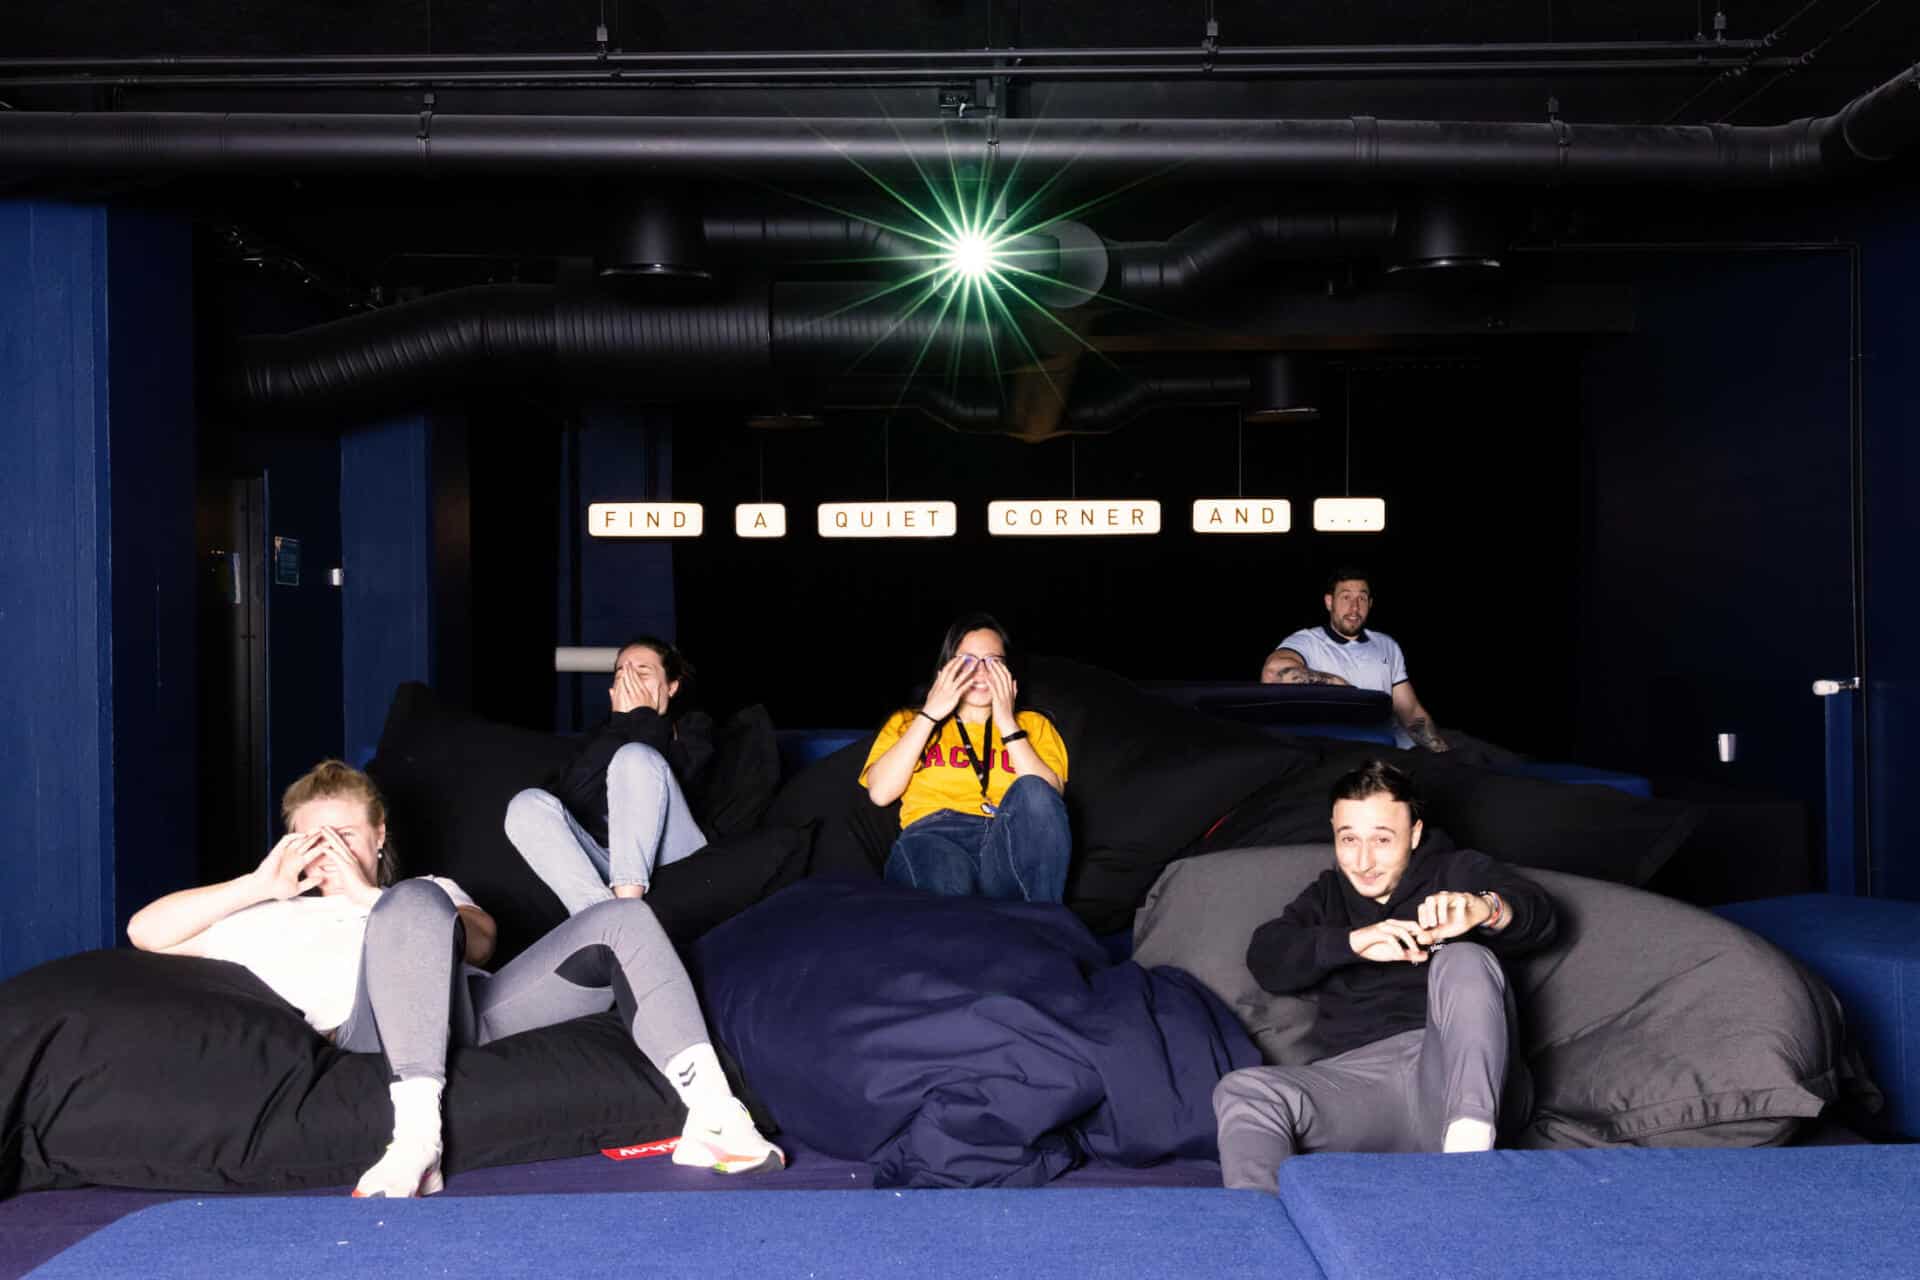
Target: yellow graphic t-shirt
944,780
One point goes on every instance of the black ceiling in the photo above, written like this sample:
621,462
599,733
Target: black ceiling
1816,54
347,240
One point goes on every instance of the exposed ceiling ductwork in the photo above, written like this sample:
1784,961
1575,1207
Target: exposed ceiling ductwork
504,335
38,146
1215,249
1113,401
797,339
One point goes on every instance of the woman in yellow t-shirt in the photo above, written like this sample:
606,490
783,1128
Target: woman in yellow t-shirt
979,783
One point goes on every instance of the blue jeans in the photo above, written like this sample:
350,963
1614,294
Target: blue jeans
1020,854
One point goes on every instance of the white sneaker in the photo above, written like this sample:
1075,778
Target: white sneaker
724,1140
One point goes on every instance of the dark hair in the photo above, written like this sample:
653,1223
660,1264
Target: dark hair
966,624
1348,573
1376,777
672,664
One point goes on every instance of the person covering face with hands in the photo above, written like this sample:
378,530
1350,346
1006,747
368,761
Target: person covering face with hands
388,966
979,780
619,809
1401,941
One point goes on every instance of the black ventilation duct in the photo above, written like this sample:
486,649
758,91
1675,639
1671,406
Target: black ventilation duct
39,144
1445,231
1214,250
1112,403
652,238
506,335
1118,402
804,237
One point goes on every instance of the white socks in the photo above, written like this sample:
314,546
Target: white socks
411,1165
1468,1135
695,1075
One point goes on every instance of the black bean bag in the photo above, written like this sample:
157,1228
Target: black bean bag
448,776
1144,777
125,1068
1530,822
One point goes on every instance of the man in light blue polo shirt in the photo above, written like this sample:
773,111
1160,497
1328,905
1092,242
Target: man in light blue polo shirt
1342,651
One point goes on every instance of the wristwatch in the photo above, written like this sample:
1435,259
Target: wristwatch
1497,904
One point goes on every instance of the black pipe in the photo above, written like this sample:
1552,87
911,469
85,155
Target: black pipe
943,406
1223,244
1870,128
1875,126
1198,68
808,237
1115,405
824,57
507,335
1108,407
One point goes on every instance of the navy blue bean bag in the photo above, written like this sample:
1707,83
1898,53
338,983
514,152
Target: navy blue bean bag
959,1042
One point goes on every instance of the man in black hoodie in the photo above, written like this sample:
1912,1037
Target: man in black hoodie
1401,942
619,808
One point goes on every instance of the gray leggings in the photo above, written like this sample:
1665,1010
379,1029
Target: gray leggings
1396,1094
415,993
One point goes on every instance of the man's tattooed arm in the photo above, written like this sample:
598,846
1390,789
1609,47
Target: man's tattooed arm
1306,675
1421,730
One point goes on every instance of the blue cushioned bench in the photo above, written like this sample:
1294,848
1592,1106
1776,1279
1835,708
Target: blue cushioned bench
1868,951
1632,1214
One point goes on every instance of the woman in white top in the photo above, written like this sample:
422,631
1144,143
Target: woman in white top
376,965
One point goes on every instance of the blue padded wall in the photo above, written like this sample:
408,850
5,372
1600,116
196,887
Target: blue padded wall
1718,579
386,485
613,588
96,554
153,564
1890,303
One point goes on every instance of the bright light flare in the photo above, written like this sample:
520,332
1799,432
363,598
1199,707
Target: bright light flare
972,256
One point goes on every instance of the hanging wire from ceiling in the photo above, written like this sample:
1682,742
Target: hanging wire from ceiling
1239,453
1770,41
1803,60
1347,396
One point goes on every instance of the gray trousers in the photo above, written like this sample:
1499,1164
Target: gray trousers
1396,1094
648,825
416,994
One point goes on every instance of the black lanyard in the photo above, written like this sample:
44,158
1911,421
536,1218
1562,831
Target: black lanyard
982,768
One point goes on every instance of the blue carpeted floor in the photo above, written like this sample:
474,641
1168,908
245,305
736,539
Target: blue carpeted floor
36,1226
922,1235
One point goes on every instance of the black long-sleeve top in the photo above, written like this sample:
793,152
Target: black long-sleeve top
687,744
1361,1001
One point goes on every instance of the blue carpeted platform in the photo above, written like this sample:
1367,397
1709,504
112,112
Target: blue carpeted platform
1834,1212
922,1235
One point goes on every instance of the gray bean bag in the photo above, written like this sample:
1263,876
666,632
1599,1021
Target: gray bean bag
1650,1023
